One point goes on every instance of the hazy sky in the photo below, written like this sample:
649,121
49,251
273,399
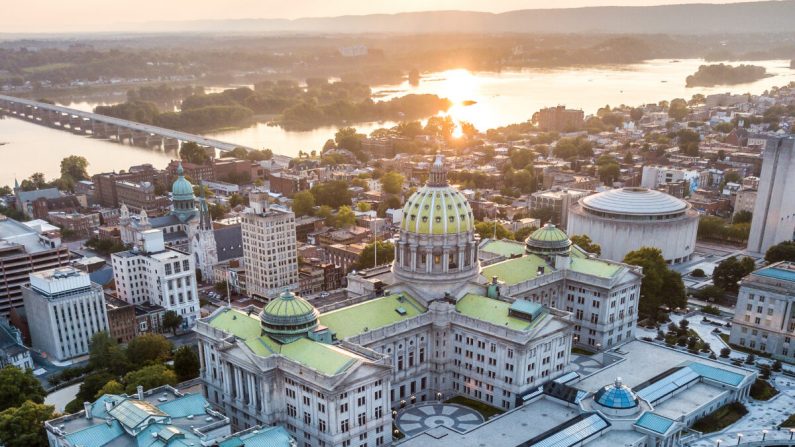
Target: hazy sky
37,16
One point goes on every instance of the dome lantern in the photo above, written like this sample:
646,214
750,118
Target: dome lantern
182,197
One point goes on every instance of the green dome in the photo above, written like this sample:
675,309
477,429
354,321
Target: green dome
182,188
288,317
437,210
548,240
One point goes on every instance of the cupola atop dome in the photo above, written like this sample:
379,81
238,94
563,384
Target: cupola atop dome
438,174
288,318
182,198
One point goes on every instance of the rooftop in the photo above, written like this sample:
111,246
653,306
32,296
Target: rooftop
784,271
594,267
369,315
504,248
493,311
514,271
327,359
654,422
640,201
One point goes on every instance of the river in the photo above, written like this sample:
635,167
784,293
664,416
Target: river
499,98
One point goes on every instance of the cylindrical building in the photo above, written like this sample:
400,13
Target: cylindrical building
626,219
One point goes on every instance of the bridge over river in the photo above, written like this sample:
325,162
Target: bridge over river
107,127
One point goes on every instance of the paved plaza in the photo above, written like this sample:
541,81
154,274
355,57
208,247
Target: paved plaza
417,419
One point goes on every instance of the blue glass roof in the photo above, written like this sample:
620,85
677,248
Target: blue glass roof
616,396
654,422
668,384
717,374
575,433
777,273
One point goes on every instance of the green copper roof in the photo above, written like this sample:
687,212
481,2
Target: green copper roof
324,358
288,305
503,248
594,267
437,210
369,315
182,189
549,233
514,271
493,311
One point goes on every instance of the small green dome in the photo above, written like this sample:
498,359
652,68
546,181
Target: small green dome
182,189
548,240
288,317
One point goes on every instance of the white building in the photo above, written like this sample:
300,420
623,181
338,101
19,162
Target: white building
626,219
64,310
763,318
655,176
774,211
333,376
269,247
153,274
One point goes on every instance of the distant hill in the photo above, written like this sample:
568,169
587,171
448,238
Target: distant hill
734,18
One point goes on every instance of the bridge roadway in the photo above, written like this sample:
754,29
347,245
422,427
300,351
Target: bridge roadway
106,126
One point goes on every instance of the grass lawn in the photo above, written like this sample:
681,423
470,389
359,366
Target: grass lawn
790,422
720,418
762,390
580,351
485,410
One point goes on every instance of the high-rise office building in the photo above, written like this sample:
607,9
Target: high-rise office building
774,212
269,247
64,309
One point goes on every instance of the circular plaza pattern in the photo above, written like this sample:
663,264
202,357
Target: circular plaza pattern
418,418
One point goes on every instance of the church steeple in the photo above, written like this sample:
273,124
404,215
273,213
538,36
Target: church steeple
205,219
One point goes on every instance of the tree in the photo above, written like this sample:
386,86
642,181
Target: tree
636,114
729,272
217,211
236,199
750,360
149,377
784,251
725,352
91,386
345,217
334,193
74,168
392,182
488,229
688,142
17,386
186,363
570,148
363,207
112,387
585,242
698,273
678,109
544,214
172,321
367,258
23,426
609,172
303,203
148,348
710,293
105,352
660,285
192,153
742,217
522,233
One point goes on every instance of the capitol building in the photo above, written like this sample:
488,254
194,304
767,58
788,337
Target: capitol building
435,325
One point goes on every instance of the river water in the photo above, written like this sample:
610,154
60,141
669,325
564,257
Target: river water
500,99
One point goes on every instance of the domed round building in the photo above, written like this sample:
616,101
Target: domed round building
437,249
626,219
